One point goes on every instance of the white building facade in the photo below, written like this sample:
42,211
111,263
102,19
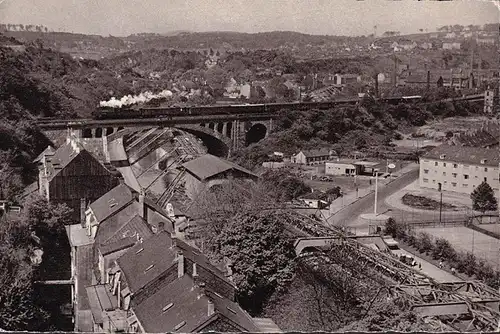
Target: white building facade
459,169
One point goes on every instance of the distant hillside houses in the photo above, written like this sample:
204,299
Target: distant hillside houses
235,90
345,79
486,40
451,46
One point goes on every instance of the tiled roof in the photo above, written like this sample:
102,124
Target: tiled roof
84,257
153,255
465,154
201,260
136,226
321,152
316,195
112,224
48,151
101,299
125,236
111,202
61,158
160,251
208,165
116,246
32,188
183,307
233,312
94,146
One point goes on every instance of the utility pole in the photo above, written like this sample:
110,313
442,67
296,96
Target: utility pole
376,193
440,202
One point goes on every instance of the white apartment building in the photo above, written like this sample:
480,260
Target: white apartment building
459,168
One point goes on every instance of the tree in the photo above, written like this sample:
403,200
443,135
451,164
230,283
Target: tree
425,242
261,254
483,198
283,186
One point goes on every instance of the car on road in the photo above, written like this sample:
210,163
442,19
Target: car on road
408,260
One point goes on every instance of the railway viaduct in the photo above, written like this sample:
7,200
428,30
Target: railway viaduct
225,132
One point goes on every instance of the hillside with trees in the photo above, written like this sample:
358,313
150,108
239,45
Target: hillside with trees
368,127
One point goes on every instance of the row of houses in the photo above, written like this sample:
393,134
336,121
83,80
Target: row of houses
131,268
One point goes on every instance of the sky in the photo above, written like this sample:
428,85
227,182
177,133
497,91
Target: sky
320,17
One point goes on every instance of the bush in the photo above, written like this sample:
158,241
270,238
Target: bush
425,242
443,249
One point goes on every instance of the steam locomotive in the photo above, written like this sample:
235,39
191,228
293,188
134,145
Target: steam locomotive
235,109
134,112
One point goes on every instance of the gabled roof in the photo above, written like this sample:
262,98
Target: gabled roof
321,152
112,201
147,260
182,306
315,195
60,159
94,146
49,151
124,237
465,154
208,166
32,188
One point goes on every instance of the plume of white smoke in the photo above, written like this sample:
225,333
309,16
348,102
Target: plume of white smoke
129,99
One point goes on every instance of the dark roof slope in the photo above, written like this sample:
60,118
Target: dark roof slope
153,255
123,237
208,165
60,159
49,151
182,306
112,201
465,154
158,254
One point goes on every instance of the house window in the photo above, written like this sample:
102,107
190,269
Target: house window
444,164
466,166
454,184
426,180
465,185
426,171
435,163
466,176
485,169
485,179
445,182
455,165
433,181
444,173
454,175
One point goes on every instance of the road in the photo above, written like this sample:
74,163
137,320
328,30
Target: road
429,269
349,215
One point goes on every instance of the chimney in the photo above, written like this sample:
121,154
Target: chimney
75,145
180,264
143,211
428,80
211,308
376,85
195,270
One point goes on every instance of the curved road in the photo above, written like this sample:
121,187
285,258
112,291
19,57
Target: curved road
349,216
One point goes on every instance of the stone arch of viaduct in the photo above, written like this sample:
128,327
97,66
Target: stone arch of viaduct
233,134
